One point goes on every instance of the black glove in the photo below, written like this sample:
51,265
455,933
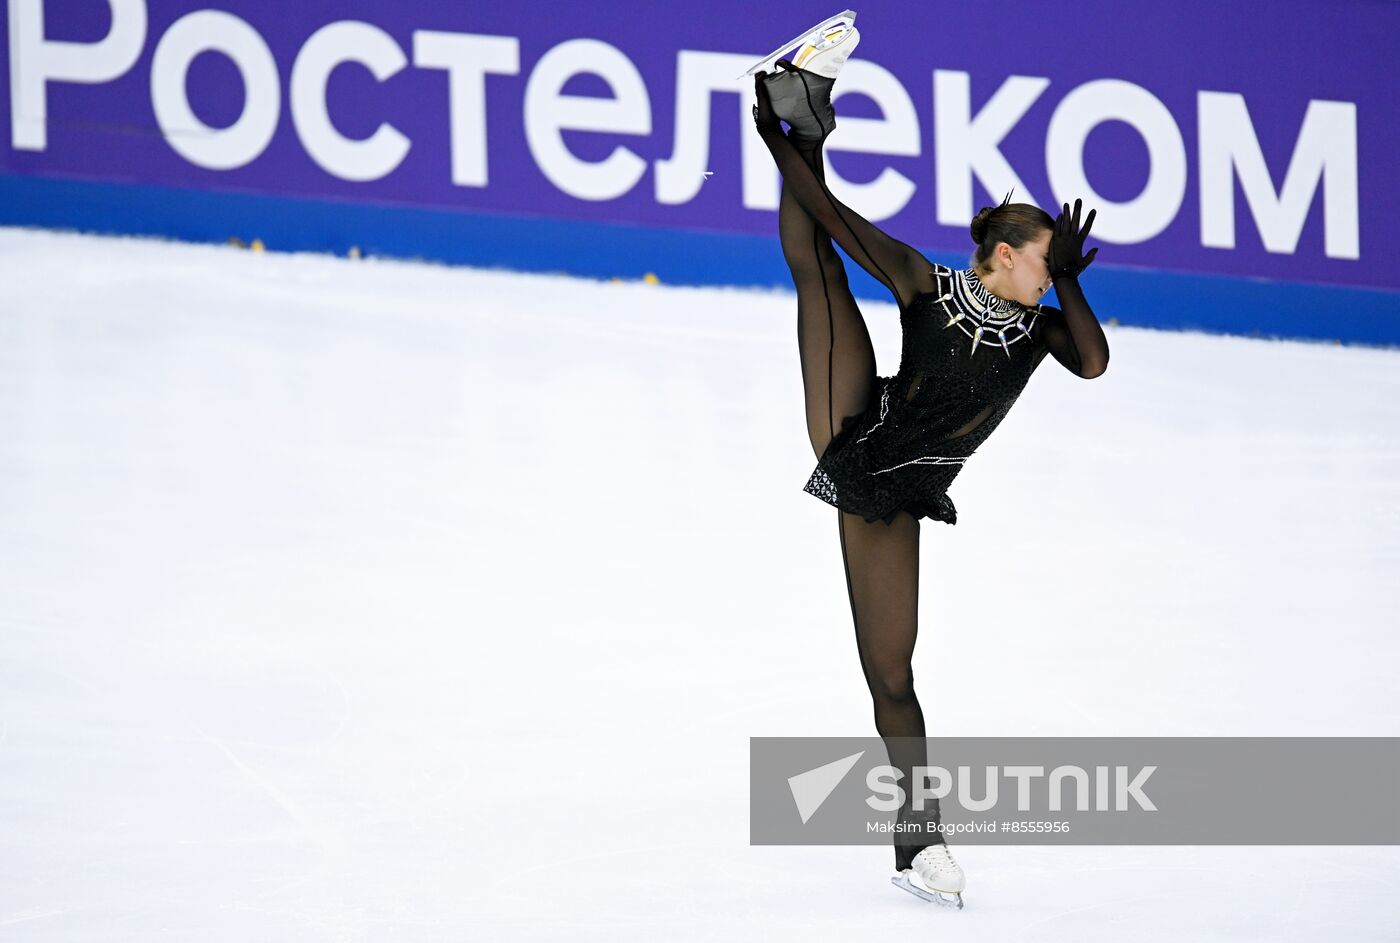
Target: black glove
763,111
1067,244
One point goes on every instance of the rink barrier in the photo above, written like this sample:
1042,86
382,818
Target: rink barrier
1124,295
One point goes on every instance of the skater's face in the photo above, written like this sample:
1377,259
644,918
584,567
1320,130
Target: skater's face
1028,269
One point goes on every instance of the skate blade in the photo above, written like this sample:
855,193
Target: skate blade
848,17
942,898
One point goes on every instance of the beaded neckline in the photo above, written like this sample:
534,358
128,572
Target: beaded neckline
987,319
989,301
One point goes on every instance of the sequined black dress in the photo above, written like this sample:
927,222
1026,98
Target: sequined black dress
965,358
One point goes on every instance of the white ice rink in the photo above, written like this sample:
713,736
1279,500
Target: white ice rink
358,600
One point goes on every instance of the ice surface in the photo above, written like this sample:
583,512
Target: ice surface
367,601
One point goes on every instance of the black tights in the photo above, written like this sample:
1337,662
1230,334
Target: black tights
881,560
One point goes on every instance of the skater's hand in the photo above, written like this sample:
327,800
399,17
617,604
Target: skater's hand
763,111
1067,243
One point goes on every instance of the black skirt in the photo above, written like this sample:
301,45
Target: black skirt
854,475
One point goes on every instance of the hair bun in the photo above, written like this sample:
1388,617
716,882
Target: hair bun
980,222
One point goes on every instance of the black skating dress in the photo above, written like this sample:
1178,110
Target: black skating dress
966,355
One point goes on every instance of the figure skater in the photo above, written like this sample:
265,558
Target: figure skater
888,447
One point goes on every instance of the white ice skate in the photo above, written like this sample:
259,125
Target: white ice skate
799,89
934,876
823,49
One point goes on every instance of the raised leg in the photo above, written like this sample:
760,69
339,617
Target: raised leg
882,581
838,360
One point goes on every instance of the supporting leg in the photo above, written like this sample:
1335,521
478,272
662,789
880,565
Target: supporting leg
882,580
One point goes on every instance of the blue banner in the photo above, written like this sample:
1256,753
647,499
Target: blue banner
1247,156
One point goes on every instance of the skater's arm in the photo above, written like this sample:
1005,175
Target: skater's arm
899,267
1072,332
1076,339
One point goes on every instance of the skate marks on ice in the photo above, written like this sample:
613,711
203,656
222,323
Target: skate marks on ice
372,353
